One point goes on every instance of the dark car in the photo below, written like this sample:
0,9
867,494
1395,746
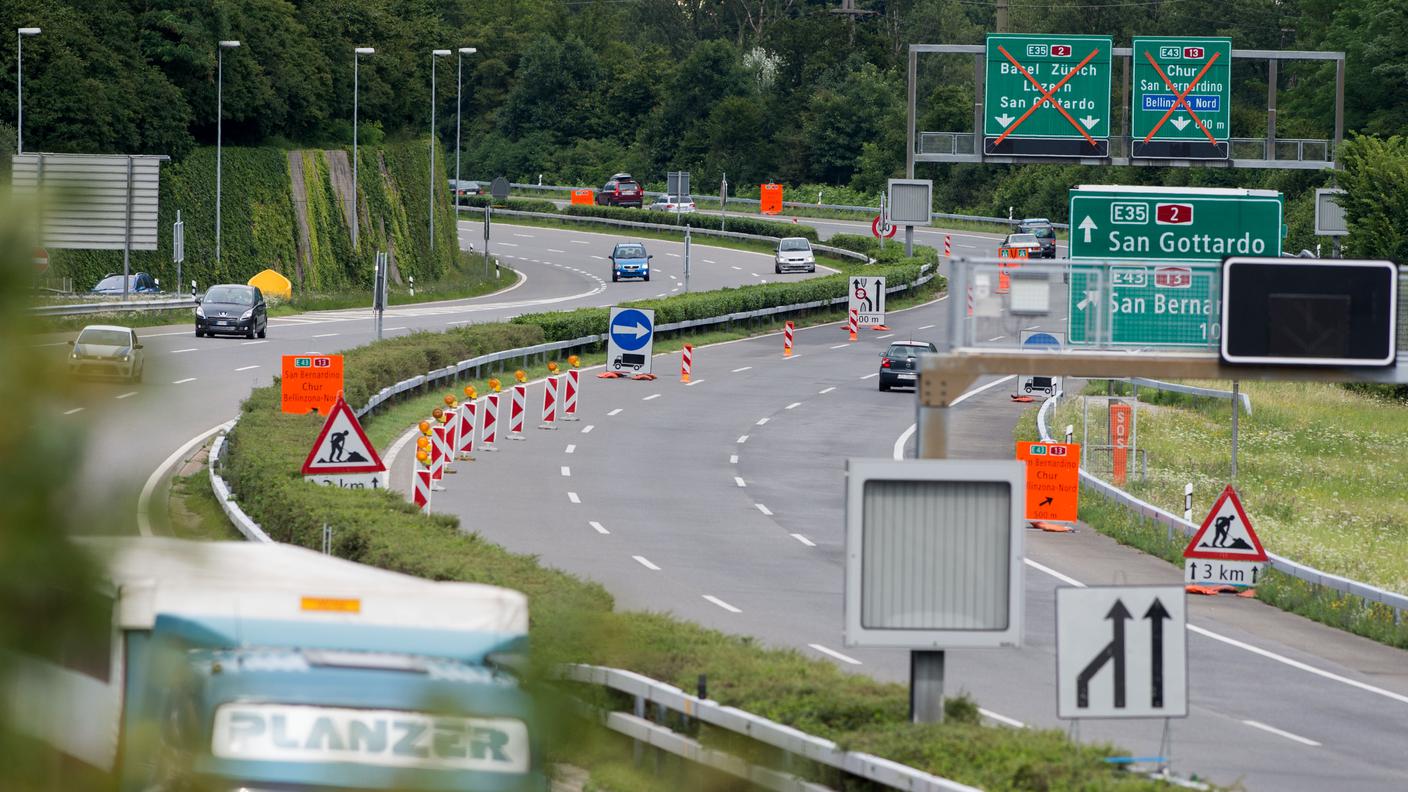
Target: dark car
899,365
463,188
1044,232
138,283
621,190
234,309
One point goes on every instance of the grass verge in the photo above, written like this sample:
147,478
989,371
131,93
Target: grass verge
1301,474
195,513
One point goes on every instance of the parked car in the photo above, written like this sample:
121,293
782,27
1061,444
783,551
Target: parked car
679,204
1027,242
794,253
899,365
138,283
463,188
107,351
1044,232
621,190
629,260
232,308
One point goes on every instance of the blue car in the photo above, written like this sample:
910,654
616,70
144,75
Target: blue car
138,283
629,260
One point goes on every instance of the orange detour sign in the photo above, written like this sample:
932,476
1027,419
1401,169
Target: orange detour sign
1053,480
311,382
583,197
1120,418
1010,260
770,199
1230,554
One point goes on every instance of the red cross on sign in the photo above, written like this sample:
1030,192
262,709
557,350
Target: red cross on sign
1046,96
1180,99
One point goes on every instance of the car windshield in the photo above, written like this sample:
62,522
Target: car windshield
906,350
630,251
1022,239
235,295
113,282
103,337
1042,232
794,244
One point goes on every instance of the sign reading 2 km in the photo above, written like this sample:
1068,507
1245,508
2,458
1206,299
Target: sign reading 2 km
1047,95
1182,97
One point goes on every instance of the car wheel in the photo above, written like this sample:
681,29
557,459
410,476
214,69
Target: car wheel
137,375
615,278
251,333
777,268
647,277
264,333
199,334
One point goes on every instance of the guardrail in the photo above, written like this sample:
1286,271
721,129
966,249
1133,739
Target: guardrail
77,309
804,205
611,221
1174,522
1192,390
793,742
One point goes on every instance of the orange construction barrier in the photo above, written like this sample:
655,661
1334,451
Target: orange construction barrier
770,199
583,197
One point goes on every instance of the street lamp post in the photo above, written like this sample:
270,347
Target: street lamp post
20,33
219,130
459,85
433,55
356,61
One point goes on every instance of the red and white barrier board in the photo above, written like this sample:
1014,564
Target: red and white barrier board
420,486
465,430
489,429
571,385
517,408
550,392
686,362
787,340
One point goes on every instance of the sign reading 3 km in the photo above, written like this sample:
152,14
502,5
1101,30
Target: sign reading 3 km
1182,98
1047,95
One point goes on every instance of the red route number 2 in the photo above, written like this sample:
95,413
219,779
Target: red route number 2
1173,214
1060,50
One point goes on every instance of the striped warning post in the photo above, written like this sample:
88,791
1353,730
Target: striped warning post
421,486
686,362
970,300
570,387
439,449
489,429
550,392
452,437
948,245
787,340
854,322
517,409
467,413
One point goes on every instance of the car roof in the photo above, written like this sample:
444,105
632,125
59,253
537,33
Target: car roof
1034,220
106,327
912,343
220,285
795,239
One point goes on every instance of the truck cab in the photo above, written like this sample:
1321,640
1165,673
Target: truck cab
271,667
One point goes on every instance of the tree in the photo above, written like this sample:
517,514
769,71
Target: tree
1375,180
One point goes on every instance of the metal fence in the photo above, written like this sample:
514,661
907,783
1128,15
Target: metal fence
77,309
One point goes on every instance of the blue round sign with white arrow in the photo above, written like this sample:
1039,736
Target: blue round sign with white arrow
631,329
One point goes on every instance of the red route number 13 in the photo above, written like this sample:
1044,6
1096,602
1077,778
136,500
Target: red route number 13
1173,214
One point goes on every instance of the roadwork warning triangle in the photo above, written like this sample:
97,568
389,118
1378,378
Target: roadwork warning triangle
342,446
1232,537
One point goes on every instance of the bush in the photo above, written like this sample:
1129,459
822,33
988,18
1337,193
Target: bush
516,204
743,225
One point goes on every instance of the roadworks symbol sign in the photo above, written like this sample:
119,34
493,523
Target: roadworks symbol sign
342,446
1231,537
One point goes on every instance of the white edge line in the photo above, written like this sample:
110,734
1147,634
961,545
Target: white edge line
144,524
835,654
1003,719
722,604
804,540
1282,733
902,439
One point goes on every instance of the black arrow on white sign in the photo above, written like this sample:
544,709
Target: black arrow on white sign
1156,616
1113,652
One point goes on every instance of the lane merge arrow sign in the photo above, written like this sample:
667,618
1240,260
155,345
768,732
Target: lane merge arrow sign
1121,652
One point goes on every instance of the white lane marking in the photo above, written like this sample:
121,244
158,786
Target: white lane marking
1067,579
252,343
144,523
1003,719
762,421
1282,733
572,496
925,327
645,562
394,329
841,346
661,294
793,406
508,244
898,452
325,335
733,459
833,653
579,241
675,255
709,261
673,277
247,368
825,391
766,512
179,351
721,603
74,410
887,335
566,471
793,355
871,376
616,411
1033,327
570,448
804,540
651,396
997,338
596,525
551,250
900,441
587,429
598,258
525,236
736,479
738,268
692,383
743,438
127,395
184,381
737,370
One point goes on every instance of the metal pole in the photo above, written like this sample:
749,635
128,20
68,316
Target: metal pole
1339,109
686,259
926,686
127,235
488,217
432,155
909,128
219,136
19,91
459,88
356,66
1271,73
1236,399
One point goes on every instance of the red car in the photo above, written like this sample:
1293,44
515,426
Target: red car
621,190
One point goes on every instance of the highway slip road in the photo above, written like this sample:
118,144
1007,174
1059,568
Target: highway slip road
721,502
195,384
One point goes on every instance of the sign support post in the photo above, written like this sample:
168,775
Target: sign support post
178,245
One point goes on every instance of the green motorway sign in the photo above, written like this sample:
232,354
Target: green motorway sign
1156,223
1182,97
1047,95
1143,305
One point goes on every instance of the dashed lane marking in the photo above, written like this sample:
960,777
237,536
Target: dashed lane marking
588,429
737,370
793,406
736,479
645,562
871,376
804,540
572,496
184,381
74,410
722,604
127,395
834,654
743,438
825,391
247,368
616,411
571,447
566,471
598,527
765,510
651,396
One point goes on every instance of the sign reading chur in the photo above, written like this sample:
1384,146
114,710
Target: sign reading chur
310,383
1053,480
1182,98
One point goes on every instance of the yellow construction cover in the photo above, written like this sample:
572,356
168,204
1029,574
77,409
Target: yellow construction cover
273,284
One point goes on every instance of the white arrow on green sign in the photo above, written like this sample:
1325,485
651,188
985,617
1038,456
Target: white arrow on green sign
1168,224
1048,87
1182,97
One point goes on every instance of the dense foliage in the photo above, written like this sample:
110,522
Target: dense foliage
576,89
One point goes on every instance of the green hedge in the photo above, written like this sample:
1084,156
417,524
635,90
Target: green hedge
516,204
740,224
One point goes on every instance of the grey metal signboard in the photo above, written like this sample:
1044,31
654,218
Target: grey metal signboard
677,183
911,201
1121,652
93,201
934,553
1330,219
498,188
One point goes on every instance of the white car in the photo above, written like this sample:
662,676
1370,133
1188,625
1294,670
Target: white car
794,253
679,204
106,351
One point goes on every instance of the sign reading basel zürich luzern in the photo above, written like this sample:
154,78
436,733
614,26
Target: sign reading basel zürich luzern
1047,96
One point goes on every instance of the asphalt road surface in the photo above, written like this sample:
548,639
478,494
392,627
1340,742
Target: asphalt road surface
721,501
